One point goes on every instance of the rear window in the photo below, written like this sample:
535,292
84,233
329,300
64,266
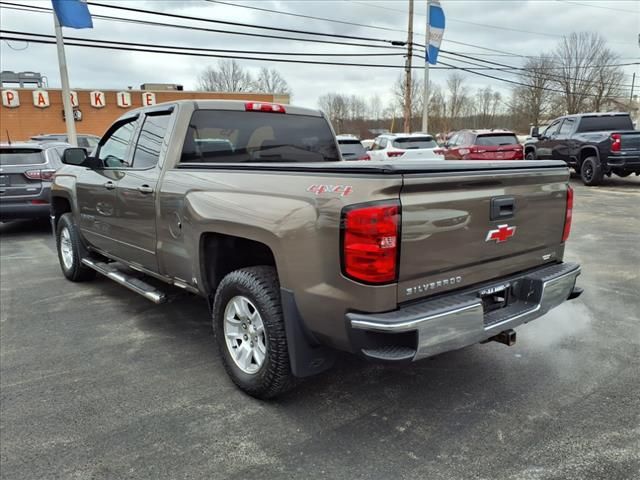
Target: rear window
21,156
408,143
495,140
234,136
351,148
596,124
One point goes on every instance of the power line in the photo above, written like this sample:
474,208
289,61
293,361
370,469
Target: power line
239,24
36,9
486,25
598,6
332,20
180,47
86,43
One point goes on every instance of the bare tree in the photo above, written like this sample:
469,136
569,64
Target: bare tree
457,96
607,82
575,58
228,76
533,99
375,107
336,107
416,95
270,81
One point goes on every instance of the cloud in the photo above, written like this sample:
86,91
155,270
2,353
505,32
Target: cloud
92,68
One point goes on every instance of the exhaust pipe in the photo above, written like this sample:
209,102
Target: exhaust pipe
508,337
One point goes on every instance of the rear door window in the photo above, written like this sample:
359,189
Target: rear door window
236,137
21,156
495,140
409,143
154,129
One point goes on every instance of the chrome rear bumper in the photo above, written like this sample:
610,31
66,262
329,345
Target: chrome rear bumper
450,322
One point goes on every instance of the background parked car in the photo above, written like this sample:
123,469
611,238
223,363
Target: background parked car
84,141
367,143
26,172
405,146
351,148
483,145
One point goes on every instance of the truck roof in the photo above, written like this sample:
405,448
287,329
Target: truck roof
597,114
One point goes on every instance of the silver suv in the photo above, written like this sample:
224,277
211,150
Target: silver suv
26,172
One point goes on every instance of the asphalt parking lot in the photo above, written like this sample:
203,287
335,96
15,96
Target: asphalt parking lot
99,383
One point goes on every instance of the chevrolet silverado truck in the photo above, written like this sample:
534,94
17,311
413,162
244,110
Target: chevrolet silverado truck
300,254
594,144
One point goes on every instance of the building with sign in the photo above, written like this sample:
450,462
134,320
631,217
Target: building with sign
25,112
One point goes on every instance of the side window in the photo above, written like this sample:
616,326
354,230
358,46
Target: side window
383,143
466,139
82,142
567,126
154,129
453,141
113,151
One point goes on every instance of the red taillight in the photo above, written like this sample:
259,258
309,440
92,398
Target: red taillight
264,107
519,155
616,142
40,174
568,215
475,150
39,202
370,243
394,154
365,157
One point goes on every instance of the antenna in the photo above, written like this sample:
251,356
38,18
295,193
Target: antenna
8,137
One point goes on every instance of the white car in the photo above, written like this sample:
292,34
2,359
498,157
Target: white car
404,146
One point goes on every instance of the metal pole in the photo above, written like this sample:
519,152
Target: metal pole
425,92
633,82
66,91
407,80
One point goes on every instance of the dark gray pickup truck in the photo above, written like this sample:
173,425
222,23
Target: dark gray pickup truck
300,254
594,144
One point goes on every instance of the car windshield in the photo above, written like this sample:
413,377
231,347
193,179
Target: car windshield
410,143
497,139
605,123
235,136
351,148
21,156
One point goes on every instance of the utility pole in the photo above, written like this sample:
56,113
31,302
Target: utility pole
66,91
425,91
633,83
407,69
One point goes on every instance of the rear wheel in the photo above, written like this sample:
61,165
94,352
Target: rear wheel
530,155
71,251
250,331
590,171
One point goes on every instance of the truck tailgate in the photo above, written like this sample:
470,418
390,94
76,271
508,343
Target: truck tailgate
449,239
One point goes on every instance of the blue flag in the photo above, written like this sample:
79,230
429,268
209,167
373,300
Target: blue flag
436,30
73,13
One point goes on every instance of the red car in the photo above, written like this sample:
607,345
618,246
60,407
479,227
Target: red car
483,145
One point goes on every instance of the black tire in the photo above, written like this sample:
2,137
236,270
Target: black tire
590,172
530,155
260,285
75,271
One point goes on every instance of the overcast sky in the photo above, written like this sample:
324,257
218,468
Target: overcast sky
495,24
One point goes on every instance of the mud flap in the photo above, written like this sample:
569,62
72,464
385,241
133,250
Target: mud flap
307,356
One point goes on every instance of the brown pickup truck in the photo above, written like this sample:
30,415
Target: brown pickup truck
301,254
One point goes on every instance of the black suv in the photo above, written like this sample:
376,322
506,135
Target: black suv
594,144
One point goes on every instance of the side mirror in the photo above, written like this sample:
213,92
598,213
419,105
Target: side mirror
535,132
446,144
78,156
74,156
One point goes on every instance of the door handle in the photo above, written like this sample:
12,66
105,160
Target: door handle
145,189
109,185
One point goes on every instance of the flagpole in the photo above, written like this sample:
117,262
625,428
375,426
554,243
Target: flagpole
425,94
64,79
